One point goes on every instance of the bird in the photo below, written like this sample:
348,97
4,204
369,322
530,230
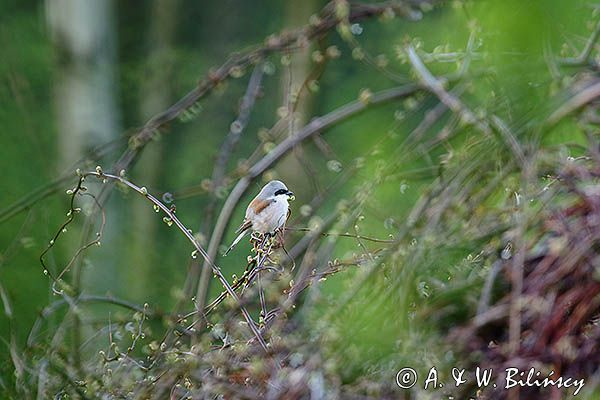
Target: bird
267,212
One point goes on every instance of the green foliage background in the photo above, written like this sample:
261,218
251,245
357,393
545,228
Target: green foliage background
508,77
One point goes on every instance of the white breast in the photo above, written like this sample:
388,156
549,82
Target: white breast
271,217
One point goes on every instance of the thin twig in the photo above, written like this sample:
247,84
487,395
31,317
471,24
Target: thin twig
349,235
172,218
27,201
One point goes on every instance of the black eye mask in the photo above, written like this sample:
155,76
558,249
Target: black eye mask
281,191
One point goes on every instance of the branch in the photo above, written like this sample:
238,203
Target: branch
238,126
437,87
453,103
217,179
53,307
579,99
286,41
315,126
585,54
349,235
172,218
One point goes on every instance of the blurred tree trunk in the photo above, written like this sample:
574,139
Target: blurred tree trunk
155,96
87,115
83,33
297,14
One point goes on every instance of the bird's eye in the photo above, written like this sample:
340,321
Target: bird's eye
280,191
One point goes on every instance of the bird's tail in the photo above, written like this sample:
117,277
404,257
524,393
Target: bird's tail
237,240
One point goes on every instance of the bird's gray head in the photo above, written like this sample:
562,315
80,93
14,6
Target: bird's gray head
275,189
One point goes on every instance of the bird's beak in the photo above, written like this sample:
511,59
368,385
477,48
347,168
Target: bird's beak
291,195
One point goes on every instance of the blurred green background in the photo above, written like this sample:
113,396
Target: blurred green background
77,78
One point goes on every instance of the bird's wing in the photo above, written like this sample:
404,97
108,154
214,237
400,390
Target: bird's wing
256,206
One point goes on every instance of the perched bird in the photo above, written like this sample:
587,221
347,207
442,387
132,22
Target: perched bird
266,213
